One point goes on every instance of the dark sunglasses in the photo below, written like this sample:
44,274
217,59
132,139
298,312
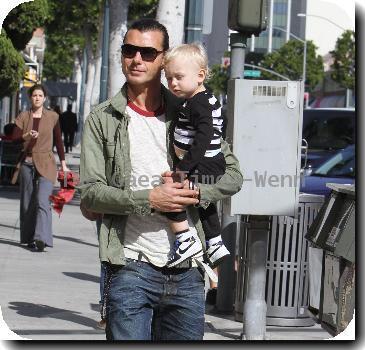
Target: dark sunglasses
147,53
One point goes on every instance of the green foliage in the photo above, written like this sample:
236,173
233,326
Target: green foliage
71,22
12,66
21,22
344,60
59,56
288,61
142,9
218,79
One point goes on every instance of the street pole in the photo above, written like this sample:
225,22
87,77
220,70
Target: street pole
269,35
238,46
254,308
105,56
305,69
226,274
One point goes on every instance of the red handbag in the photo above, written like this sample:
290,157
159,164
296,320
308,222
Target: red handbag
68,181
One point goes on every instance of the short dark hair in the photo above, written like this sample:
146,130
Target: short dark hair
37,87
148,25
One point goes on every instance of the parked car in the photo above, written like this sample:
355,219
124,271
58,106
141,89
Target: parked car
326,131
340,169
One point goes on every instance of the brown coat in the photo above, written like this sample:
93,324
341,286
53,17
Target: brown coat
43,158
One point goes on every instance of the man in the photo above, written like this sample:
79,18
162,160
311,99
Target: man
68,121
126,146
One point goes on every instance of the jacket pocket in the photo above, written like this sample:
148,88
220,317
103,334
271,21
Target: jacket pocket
113,165
109,152
109,148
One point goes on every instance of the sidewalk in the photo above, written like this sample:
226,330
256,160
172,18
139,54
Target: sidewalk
54,295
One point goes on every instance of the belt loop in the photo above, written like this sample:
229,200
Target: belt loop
139,257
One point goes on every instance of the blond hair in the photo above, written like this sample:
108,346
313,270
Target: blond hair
195,52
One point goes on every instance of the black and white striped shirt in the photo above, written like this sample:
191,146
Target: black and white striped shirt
199,129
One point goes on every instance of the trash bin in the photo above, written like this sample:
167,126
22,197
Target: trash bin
334,231
287,266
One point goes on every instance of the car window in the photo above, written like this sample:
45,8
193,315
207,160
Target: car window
340,165
325,133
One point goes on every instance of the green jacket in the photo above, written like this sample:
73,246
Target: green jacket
105,172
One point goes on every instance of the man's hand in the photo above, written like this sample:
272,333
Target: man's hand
172,197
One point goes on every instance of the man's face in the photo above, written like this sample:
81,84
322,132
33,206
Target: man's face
136,70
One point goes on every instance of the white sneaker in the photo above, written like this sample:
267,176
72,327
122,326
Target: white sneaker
184,250
216,253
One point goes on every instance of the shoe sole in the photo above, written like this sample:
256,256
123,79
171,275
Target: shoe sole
218,261
183,258
216,258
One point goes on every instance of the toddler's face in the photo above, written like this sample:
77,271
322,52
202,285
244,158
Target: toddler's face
184,77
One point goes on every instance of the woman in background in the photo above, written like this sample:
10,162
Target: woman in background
36,129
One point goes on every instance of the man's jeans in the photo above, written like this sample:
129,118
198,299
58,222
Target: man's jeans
151,303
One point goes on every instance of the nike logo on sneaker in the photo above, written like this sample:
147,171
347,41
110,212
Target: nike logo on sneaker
210,254
182,251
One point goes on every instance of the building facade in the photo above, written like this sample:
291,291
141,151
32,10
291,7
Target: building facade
283,23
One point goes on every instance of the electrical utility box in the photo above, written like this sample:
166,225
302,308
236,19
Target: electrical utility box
265,128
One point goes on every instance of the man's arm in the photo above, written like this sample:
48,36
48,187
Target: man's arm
228,185
100,197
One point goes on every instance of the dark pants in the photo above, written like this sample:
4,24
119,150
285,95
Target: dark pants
102,268
207,172
68,139
35,206
151,303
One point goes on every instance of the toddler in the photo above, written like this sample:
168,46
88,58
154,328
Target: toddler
197,146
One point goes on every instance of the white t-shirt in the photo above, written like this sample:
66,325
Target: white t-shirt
150,235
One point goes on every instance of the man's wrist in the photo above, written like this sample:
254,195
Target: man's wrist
150,201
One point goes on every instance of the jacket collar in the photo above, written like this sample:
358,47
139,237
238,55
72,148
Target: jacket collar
119,101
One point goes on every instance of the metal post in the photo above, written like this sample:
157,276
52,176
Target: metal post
305,69
288,21
226,275
105,56
348,98
271,20
254,309
238,46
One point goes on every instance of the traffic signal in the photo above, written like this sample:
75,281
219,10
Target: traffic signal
247,16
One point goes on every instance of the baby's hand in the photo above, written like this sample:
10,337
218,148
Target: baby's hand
167,177
179,176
